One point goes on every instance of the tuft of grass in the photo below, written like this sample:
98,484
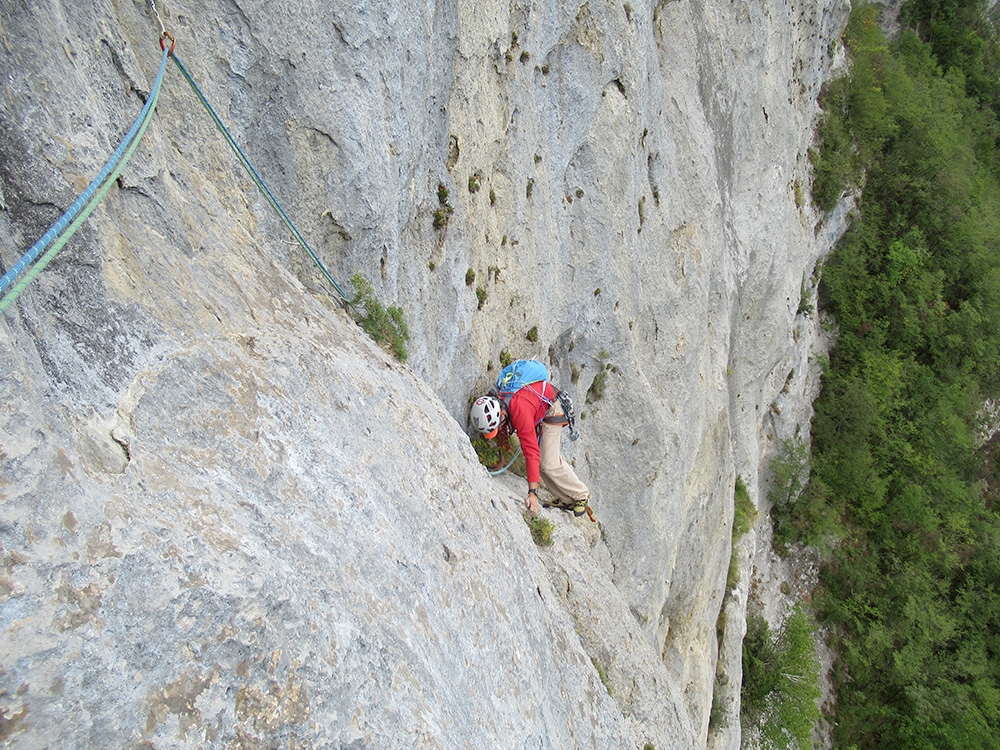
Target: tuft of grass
385,325
443,214
495,454
604,677
505,358
597,386
480,297
541,529
532,335
717,714
744,517
745,513
470,277
806,307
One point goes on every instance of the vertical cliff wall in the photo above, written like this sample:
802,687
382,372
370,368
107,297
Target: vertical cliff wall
227,517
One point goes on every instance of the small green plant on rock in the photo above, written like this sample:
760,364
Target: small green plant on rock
744,516
385,325
599,383
470,277
541,529
441,218
532,335
496,454
488,451
745,513
806,307
605,680
443,214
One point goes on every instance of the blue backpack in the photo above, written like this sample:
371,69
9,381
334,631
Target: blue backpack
523,372
518,374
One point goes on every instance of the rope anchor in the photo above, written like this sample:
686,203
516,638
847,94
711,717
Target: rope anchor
173,42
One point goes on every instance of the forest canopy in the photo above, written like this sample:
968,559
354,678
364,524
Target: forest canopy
904,479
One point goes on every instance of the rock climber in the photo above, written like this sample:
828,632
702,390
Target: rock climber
536,414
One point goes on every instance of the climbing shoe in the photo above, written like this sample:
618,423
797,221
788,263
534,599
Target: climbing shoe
577,508
557,503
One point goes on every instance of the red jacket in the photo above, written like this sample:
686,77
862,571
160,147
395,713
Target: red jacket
527,408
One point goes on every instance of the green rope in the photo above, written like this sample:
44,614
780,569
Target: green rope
259,182
91,201
58,245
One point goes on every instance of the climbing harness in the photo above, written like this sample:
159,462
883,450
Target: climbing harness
60,233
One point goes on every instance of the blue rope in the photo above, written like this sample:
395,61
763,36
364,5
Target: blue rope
258,180
509,464
87,201
51,253
56,229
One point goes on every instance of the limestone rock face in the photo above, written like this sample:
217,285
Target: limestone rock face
227,518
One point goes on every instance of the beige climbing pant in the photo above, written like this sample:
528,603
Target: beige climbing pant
558,475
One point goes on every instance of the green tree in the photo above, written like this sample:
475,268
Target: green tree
914,287
781,680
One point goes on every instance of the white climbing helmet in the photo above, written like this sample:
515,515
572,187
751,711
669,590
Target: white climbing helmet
486,416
